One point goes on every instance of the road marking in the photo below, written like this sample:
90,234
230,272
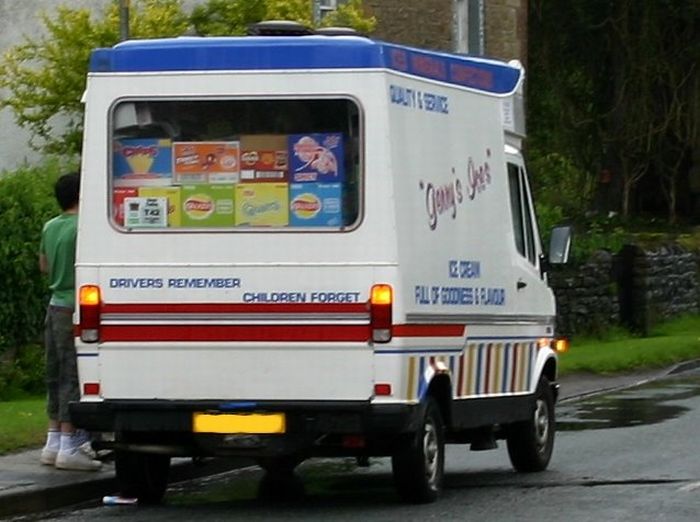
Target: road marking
690,487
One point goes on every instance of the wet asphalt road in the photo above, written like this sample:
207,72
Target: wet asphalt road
629,455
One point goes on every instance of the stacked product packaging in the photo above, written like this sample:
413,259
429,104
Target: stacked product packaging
259,180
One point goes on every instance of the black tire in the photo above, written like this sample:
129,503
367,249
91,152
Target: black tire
142,475
530,443
281,486
419,463
283,464
280,482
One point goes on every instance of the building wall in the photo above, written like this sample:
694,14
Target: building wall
505,29
421,23
431,24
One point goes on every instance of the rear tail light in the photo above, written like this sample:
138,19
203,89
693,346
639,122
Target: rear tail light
381,301
90,303
91,388
382,389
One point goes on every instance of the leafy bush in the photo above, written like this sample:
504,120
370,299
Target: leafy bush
25,375
26,202
558,183
597,234
564,194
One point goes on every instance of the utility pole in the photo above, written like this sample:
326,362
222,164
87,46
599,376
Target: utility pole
316,13
123,20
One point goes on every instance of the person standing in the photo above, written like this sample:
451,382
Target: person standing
66,447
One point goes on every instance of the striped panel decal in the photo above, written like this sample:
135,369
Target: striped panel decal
478,369
524,367
470,388
498,364
533,355
505,384
422,385
495,368
484,368
223,333
172,322
514,366
411,391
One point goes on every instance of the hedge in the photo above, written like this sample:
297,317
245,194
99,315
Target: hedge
26,202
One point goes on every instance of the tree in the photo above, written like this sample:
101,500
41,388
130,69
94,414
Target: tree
227,17
615,85
45,75
351,14
232,17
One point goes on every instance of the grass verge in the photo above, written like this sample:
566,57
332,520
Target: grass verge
672,342
22,424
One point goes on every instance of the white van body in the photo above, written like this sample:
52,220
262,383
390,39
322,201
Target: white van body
275,322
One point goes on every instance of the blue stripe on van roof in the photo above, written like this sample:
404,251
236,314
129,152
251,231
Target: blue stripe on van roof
302,52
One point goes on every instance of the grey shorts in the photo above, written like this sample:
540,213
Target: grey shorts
61,363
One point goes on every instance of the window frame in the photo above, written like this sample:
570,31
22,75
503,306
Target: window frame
360,155
528,230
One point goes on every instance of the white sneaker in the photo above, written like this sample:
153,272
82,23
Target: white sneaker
48,456
77,460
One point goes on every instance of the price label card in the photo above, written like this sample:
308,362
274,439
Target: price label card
145,212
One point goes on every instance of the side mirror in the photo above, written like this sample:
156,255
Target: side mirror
560,245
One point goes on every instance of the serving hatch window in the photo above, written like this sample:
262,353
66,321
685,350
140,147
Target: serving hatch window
235,164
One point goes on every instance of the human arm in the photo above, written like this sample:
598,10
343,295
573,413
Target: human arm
43,263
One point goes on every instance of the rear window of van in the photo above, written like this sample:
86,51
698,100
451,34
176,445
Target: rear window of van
235,164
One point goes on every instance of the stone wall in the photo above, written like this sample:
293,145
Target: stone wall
587,296
636,288
657,284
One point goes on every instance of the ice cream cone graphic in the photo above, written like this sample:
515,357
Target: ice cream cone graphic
141,159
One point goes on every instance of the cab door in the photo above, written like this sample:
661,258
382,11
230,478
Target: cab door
532,295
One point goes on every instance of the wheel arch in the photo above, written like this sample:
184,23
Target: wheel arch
550,372
550,369
441,390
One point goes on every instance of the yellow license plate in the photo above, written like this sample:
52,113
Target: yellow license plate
257,423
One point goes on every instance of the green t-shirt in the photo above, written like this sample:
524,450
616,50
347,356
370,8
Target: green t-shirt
58,245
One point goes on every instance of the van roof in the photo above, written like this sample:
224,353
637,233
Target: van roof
304,52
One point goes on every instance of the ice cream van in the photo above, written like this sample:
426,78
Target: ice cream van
297,246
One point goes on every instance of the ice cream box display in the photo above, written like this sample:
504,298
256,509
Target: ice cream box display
174,203
316,158
264,158
118,196
262,204
138,162
206,162
207,205
145,212
315,204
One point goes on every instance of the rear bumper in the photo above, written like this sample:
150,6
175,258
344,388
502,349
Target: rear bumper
313,428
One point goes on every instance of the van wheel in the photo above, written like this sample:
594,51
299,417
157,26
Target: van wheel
285,464
280,482
418,465
530,442
142,475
